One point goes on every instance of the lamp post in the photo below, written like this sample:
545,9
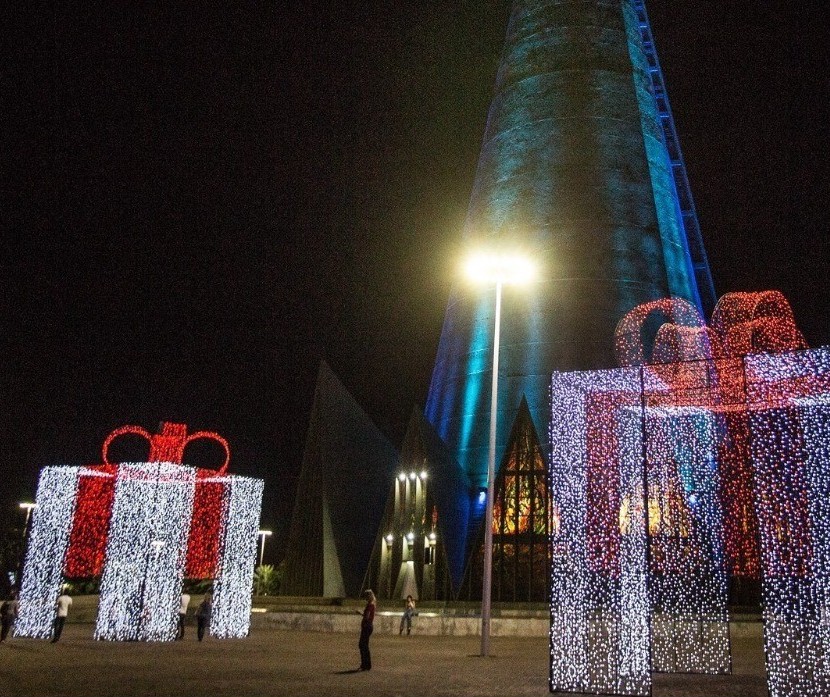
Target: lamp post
262,535
500,270
28,507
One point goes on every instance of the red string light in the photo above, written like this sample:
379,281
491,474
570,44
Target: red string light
143,527
96,488
88,538
704,368
713,458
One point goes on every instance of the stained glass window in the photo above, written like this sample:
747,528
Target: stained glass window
523,520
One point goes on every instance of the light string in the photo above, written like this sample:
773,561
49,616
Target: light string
233,587
46,550
717,462
143,527
142,580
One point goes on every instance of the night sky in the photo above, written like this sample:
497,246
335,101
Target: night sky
200,204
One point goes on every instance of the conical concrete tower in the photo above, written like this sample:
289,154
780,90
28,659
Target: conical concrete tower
580,167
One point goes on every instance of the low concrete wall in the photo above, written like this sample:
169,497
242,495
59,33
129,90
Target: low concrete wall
431,624
451,621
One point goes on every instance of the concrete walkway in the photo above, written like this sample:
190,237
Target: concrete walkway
315,664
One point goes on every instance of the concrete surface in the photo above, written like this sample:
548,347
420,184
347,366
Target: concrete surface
272,662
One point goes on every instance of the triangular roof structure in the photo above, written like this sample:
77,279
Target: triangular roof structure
440,516
450,489
347,469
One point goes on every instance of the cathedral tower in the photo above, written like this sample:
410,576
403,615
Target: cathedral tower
580,167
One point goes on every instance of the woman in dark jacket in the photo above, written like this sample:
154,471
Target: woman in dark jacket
366,626
203,613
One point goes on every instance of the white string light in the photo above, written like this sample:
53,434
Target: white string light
231,615
144,531
48,542
599,635
789,420
633,593
688,585
142,580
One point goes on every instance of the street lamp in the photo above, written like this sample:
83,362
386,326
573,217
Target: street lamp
262,535
499,269
28,507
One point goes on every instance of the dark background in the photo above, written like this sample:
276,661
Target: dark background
200,203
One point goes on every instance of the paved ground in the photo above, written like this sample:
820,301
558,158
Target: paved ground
310,664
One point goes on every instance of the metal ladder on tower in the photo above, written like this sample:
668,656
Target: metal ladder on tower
697,252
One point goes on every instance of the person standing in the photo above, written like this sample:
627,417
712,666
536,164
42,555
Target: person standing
408,611
62,605
366,627
185,601
8,614
203,613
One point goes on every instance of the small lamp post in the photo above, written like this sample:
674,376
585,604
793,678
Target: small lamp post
498,269
262,535
28,507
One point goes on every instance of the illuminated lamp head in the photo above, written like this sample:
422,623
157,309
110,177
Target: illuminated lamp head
497,266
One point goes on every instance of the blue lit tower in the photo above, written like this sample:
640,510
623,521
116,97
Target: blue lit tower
581,166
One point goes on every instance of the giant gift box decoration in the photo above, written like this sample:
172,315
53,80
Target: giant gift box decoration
143,527
712,459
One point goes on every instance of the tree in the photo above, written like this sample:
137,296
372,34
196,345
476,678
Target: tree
267,579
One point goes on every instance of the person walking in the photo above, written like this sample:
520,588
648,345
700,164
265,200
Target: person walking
203,613
408,611
185,601
366,627
8,614
62,605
